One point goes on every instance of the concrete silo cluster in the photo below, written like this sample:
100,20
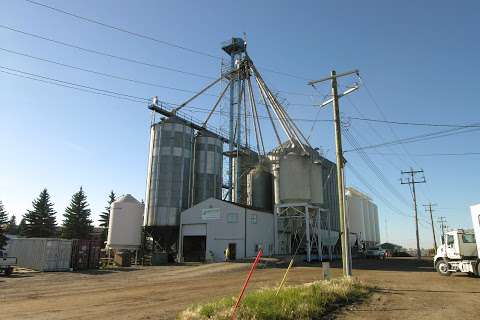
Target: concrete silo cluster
363,219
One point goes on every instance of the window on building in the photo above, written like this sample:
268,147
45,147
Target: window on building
253,218
232,217
468,238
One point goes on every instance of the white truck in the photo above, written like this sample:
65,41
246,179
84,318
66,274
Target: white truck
6,263
460,249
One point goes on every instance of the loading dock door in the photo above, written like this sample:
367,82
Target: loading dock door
194,248
194,242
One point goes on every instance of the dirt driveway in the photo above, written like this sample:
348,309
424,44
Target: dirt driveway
406,290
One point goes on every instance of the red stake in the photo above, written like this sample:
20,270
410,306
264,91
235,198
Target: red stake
245,284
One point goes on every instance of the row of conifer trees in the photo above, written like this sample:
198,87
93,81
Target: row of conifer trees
40,221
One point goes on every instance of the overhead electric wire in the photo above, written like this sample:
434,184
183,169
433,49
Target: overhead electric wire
136,34
428,154
375,192
151,38
422,137
148,64
375,169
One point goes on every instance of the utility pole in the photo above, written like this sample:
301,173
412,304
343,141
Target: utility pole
428,207
410,180
443,225
346,253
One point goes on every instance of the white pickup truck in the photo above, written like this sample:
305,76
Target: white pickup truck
460,249
6,263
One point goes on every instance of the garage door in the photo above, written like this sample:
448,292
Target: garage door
194,248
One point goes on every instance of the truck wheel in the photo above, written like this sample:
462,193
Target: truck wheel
478,269
442,267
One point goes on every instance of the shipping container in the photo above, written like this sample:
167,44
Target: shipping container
85,254
42,254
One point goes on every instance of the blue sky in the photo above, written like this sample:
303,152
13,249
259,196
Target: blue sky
418,59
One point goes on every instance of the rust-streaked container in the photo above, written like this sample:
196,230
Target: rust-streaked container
85,254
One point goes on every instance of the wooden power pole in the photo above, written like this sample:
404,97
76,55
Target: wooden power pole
428,207
410,180
346,253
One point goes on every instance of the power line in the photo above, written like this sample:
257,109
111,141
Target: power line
154,39
105,54
132,33
422,137
428,154
374,168
98,72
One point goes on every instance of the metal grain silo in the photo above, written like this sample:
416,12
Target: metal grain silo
295,178
208,166
248,160
316,182
168,177
275,171
259,188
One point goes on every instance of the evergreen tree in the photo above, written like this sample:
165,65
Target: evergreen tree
12,225
22,228
3,225
105,216
41,221
77,223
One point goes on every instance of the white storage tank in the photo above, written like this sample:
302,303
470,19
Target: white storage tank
366,220
356,222
295,178
125,227
371,214
377,223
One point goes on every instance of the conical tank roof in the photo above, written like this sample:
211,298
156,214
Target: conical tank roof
127,198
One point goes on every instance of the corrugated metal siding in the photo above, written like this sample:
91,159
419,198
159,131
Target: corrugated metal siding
42,254
330,194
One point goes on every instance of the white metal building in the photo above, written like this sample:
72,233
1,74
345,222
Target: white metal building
213,225
362,217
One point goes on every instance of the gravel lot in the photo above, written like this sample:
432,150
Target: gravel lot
405,289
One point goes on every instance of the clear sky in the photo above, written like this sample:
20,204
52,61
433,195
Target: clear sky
419,60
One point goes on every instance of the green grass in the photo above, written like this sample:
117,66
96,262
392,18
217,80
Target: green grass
309,301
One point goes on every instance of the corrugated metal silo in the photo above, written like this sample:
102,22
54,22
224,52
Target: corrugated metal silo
208,164
248,161
169,171
259,186
316,182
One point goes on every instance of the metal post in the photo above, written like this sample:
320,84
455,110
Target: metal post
275,229
347,268
307,234
319,235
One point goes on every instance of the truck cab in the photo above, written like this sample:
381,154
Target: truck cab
460,249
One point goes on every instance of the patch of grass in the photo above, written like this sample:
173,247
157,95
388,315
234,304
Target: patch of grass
309,301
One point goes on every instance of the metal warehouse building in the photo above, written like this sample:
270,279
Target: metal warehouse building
213,225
